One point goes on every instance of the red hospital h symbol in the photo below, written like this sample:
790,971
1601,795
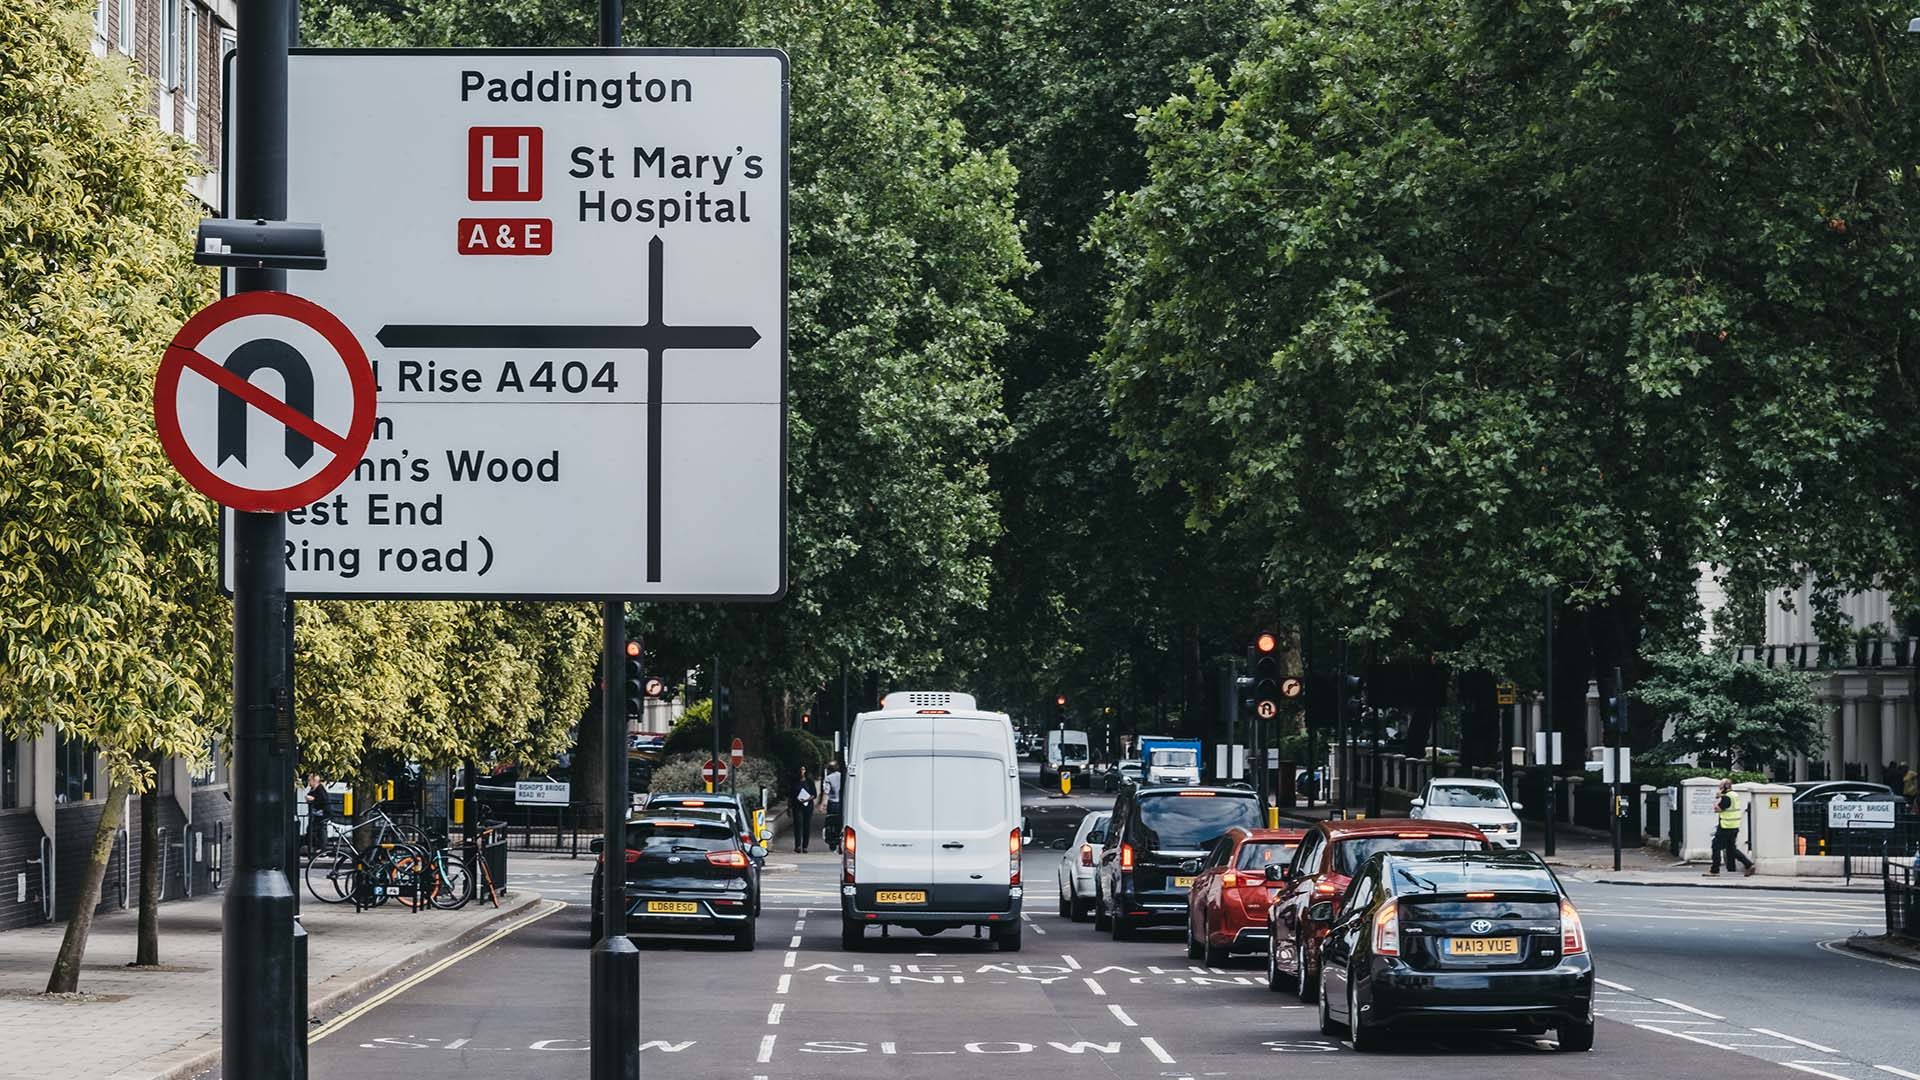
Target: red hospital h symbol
503,164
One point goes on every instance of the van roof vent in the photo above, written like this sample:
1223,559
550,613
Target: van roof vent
928,699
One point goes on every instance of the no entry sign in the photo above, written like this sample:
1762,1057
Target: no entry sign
713,772
271,444
570,267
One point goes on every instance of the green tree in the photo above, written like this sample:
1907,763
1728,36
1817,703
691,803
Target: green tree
110,628
1733,714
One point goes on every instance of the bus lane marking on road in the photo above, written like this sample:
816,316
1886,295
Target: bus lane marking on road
1095,987
1157,1051
1072,964
1898,1072
1121,1015
1688,1008
1806,1068
1795,1039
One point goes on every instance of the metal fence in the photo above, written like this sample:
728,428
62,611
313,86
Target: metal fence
1816,837
1903,901
564,829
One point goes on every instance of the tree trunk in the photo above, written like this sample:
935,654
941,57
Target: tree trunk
73,947
147,951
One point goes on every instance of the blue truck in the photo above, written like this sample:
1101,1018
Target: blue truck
1166,760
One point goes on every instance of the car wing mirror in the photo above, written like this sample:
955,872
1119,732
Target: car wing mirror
1418,802
597,845
757,852
1190,866
1321,912
1276,873
1518,806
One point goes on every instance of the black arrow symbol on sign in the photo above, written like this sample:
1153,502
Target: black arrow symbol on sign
654,336
256,355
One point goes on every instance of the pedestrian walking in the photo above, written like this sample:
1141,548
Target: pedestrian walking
1910,785
319,808
804,795
830,786
1726,837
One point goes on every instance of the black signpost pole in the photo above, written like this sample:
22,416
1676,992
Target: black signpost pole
257,1015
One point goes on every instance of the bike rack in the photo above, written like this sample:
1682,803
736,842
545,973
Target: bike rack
125,842
214,852
47,876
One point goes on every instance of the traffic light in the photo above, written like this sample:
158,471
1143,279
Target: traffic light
1616,710
1353,699
806,719
636,682
1059,710
722,703
1266,675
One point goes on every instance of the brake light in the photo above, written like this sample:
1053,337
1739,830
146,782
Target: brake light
846,856
933,712
1573,936
1126,857
693,802
1086,854
632,856
1325,888
1479,896
1411,836
1229,880
735,859
1386,929
1199,794
1013,857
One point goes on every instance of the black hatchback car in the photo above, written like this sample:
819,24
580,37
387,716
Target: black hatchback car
1473,939
1155,844
685,875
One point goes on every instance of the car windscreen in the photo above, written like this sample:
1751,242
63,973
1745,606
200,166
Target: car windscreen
1348,854
1175,758
1260,854
1468,796
1181,822
1465,875
673,837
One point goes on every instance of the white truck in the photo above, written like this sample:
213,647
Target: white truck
1066,749
933,836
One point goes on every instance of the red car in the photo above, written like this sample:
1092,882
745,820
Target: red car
1227,906
1321,868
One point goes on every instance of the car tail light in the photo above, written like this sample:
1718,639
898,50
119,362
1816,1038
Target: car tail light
1126,857
1325,888
1573,936
735,859
1229,880
1386,929
1086,854
1013,857
632,856
846,856
1480,896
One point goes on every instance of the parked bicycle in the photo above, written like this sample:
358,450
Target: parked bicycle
455,885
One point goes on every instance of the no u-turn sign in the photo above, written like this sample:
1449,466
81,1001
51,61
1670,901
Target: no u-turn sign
264,402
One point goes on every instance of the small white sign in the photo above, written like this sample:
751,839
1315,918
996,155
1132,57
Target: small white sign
542,793
1616,765
1273,757
1849,814
1541,748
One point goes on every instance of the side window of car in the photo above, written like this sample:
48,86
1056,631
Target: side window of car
1359,894
1303,858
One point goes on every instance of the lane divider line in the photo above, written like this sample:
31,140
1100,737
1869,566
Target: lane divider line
1814,1071
1072,964
1689,1008
790,959
1793,1039
795,943
1156,1049
786,983
1121,1015
547,908
1095,987
773,1015
1898,1072
1041,930
766,1049
1615,985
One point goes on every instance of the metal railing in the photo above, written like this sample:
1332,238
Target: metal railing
1903,901
1811,829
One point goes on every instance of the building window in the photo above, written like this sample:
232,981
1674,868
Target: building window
9,773
100,9
73,762
127,25
190,55
170,43
213,770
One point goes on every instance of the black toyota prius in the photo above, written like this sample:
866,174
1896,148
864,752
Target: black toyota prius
685,875
1485,939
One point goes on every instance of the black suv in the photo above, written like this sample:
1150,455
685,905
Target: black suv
1154,848
685,875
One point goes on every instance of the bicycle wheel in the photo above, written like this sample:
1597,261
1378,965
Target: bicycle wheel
330,877
411,877
456,885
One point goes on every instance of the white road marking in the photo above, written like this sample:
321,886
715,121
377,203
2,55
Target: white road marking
1155,1048
1817,1072
1835,948
766,1049
889,1048
1793,1039
1898,1072
1095,987
1689,1008
1615,985
1687,1036
790,959
1121,1015
795,943
1041,930
786,983
1072,964
773,1015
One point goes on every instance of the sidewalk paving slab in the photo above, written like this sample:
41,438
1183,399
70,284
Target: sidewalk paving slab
164,1023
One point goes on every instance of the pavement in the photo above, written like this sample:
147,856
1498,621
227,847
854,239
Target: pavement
1702,985
154,1023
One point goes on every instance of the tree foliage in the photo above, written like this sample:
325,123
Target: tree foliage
1733,714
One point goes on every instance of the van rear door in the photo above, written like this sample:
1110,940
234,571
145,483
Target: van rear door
971,819
895,804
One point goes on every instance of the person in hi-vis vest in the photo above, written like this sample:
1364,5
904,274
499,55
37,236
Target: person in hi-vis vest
1726,834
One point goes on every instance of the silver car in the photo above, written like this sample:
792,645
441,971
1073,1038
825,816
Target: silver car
1075,873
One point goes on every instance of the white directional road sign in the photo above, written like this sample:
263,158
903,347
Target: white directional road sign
541,793
569,270
1850,814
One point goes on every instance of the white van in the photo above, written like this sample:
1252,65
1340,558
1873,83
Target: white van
932,837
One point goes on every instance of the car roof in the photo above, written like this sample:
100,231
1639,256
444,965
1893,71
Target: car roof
720,797
1464,781
1346,830
656,819
1501,859
1176,789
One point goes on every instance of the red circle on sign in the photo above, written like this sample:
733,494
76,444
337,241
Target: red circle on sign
1267,710
713,772
166,405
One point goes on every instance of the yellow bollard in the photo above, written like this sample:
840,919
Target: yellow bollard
346,803
1273,817
1066,782
459,811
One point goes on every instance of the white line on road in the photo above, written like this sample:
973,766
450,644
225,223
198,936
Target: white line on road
1155,1049
1687,1036
1898,1072
786,983
1121,1015
790,959
773,1015
1817,1072
1615,985
795,943
1041,930
1689,1008
1793,1039
1072,964
1095,987
766,1049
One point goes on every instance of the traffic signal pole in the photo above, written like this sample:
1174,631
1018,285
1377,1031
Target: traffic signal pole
258,1023
614,964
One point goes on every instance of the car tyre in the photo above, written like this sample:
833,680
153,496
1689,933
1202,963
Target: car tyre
1327,1026
1122,927
853,935
1277,980
1306,981
1193,943
1006,936
1365,1039
1101,921
1210,954
1066,906
743,939
593,929
1576,1038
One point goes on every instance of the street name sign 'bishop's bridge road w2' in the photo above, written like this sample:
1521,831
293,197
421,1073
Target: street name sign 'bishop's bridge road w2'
569,271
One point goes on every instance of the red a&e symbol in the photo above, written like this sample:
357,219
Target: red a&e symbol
503,164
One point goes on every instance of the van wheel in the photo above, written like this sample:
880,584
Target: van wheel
1576,1038
853,935
1122,927
1006,936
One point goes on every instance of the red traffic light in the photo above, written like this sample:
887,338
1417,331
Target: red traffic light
633,648
1266,642
1059,699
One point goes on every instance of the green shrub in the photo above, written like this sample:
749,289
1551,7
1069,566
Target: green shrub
682,773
